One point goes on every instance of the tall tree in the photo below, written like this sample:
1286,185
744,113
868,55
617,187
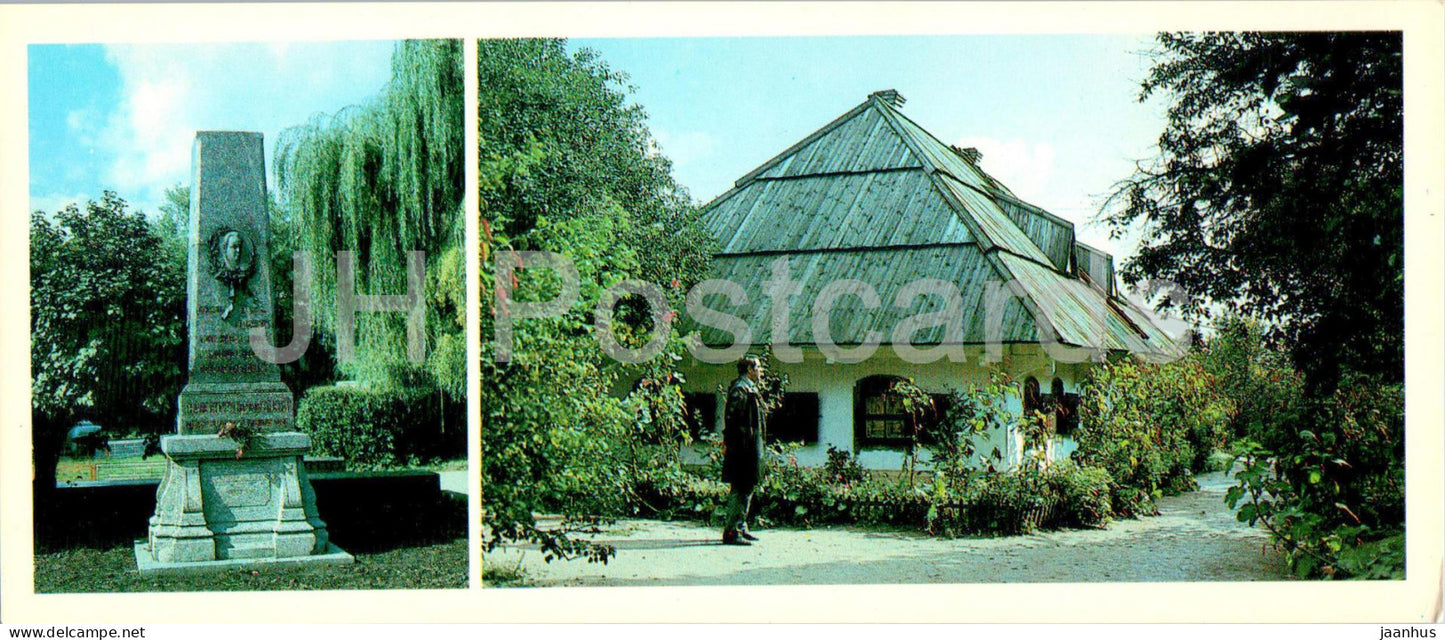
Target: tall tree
591,149
107,323
382,179
1278,190
568,166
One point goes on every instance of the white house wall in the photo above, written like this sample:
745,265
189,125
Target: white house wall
834,383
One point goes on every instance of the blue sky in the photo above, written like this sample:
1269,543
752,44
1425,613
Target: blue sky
123,117
1057,117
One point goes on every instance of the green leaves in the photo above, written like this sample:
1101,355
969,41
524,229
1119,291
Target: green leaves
568,166
1276,190
378,428
1151,426
107,317
382,179
1333,495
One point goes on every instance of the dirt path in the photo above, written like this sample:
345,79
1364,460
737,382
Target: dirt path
1195,538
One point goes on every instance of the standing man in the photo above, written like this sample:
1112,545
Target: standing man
742,448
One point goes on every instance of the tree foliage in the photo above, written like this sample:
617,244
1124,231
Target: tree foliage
568,166
592,150
382,179
1278,190
107,324
1332,494
1152,426
1323,474
1266,391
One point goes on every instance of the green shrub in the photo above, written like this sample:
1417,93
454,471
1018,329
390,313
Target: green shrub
1151,426
1021,501
380,428
789,493
685,496
1333,493
843,467
1266,392
1084,495
1007,503
1322,470
990,503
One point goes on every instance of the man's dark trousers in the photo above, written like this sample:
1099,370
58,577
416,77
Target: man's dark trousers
739,500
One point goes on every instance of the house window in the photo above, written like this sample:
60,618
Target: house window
880,420
795,420
701,413
928,423
1038,405
1066,408
1032,399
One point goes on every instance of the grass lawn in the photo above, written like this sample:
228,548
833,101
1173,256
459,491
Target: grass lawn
112,570
69,469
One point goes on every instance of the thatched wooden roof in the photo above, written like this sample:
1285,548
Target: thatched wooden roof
874,197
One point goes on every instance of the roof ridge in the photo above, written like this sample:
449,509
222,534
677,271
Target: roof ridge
986,243
931,167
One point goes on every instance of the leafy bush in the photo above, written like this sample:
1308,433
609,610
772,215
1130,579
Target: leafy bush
1266,392
1008,503
379,428
1021,501
1150,426
1084,495
566,168
790,493
1324,472
843,467
990,503
1333,494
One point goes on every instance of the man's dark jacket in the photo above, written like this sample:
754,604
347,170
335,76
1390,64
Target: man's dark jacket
742,433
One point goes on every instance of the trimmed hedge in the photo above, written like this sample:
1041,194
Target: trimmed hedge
1005,503
381,428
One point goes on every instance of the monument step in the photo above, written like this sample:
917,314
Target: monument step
147,564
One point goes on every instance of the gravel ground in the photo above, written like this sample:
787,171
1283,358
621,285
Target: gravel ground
1195,538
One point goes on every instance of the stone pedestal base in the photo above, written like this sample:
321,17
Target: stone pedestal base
148,565
220,510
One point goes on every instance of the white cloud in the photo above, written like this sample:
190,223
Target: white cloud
168,92
1023,166
83,124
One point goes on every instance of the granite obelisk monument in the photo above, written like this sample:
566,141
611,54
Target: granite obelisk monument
235,489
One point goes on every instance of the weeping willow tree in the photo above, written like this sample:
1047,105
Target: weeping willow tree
383,179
